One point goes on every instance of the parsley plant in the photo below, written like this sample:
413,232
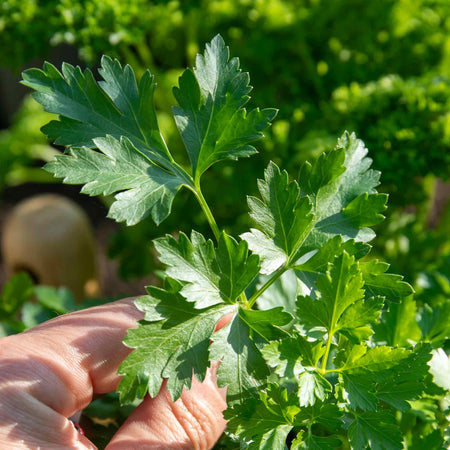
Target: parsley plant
299,357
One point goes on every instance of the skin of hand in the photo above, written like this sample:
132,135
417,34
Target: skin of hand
53,370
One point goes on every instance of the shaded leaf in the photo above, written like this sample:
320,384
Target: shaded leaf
398,325
312,442
377,430
312,386
171,342
292,355
264,422
283,292
434,323
318,262
242,368
15,293
266,324
379,283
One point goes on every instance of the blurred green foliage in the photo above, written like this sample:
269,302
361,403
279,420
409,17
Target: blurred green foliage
23,305
22,145
328,65
380,68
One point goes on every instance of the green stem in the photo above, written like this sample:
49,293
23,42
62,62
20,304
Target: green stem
243,300
323,367
209,216
277,274
332,371
331,331
212,223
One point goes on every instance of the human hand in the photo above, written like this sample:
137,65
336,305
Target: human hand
52,371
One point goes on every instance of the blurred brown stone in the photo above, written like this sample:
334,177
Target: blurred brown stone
50,237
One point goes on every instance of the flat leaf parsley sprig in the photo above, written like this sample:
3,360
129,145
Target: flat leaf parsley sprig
300,364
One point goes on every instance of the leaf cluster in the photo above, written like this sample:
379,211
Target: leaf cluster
303,362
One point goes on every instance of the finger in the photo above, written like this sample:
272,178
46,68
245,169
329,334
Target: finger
193,421
52,371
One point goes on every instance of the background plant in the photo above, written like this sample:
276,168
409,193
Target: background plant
378,68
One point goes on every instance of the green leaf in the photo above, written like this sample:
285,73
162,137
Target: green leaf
397,394
398,325
364,211
312,442
144,188
440,368
264,422
34,313
360,314
292,355
377,430
312,386
318,262
327,414
339,288
283,292
117,106
327,168
116,116
393,375
334,197
266,324
360,391
171,342
429,441
282,217
434,323
211,276
242,368
337,180
312,313
210,117
60,300
380,359
379,283
15,293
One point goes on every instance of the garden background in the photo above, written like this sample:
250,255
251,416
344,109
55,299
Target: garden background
379,68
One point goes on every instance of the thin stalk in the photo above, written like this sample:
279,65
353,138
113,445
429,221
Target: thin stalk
277,274
205,208
212,223
323,367
332,371
243,300
331,331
